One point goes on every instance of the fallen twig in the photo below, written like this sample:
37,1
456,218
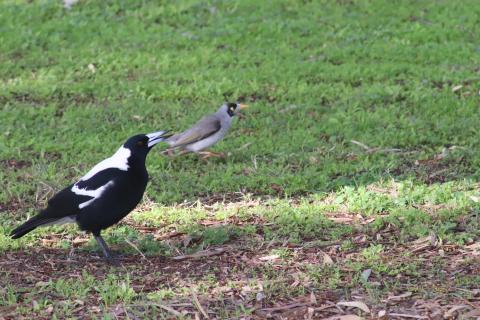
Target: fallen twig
198,305
404,315
169,235
372,150
201,254
319,244
358,143
288,108
136,248
286,307
164,307
246,145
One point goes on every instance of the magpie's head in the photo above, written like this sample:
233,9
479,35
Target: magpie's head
141,144
232,108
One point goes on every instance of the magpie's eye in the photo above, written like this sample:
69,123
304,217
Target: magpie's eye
141,143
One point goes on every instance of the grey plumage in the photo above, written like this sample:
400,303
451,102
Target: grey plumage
208,131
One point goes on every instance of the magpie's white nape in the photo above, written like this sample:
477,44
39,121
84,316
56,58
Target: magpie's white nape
105,195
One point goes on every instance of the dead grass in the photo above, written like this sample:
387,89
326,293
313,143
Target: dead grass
423,279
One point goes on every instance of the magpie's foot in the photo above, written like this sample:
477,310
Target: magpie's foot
113,260
111,257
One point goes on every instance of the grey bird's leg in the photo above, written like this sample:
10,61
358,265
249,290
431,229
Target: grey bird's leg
106,251
167,152
171,152
210,154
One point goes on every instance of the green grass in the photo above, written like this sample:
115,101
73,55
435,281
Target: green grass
399,77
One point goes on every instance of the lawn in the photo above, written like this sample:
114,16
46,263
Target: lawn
349,188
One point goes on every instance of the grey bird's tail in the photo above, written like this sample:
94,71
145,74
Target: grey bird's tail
31,224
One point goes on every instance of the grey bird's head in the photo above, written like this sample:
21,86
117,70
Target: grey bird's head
231,108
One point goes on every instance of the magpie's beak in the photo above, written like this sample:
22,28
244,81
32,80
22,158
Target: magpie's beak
156,137
242,106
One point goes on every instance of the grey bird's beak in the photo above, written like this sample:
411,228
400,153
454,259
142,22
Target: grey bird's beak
156,137
240,107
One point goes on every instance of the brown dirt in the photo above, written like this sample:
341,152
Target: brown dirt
432,171
430,290
12,164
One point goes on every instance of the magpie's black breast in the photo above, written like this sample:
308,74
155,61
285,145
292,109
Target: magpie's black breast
115,202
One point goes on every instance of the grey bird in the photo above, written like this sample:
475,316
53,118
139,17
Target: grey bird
206,132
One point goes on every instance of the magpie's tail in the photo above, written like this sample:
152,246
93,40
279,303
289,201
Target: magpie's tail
30,225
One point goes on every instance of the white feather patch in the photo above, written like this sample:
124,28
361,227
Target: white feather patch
119,161
67,219
95,194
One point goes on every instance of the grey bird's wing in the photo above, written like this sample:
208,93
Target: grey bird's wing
203,129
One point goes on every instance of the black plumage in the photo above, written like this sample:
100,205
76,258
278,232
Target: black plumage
105,195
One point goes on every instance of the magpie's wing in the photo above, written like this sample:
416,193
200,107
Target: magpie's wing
204,128
65,203
99,179
69,202
72,199
62,205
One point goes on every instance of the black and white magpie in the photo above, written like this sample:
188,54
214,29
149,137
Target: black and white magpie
102,197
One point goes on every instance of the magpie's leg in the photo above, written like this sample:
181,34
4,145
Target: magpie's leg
106,251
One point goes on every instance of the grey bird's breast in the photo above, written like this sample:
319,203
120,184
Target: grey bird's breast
226,123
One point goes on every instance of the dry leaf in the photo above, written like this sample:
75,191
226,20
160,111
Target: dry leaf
456,88
474,246
79,302
327,260
472,314
246,289
451,312
118,310
80,240
407,315
260,296
95,309
269,258
275,187
345,317
341,220
366,274
201,254
92,68
42,284
310,313
354,304
399,297
67,4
